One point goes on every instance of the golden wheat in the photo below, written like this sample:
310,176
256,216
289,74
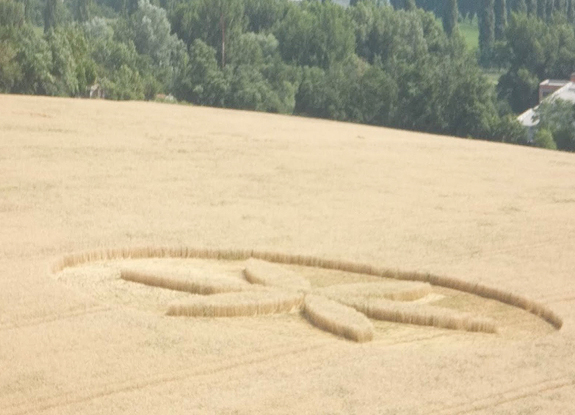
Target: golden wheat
338,319
515,300
187,282
266,273
248,303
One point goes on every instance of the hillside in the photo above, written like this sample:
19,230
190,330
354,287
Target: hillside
88,175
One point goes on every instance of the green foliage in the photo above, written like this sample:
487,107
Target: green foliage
12,14
370,63
544,139
316,34
152,37
500,9
52,15
213,21
82,10
486,31
10,69
521,6
202,82
508,130
541,9
125,84
537,51
410,5
263,16
530,7
450,16
362,93
63,64
519,88
558,117
249,89
34,59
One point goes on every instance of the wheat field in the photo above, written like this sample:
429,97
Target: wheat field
491,228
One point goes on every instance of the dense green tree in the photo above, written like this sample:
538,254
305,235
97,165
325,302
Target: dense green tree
558,117
549,9
507,129
11,20
519,88
9,68
214,21
202,82
372,98
531,7
561,6
544,139
35,62
152,37
538,51
52,14
486,30
316,35
500,9
396,36
63,67
470,106
12,14
521,6
541,8
263,15
410,5
82,10
450,16
128,7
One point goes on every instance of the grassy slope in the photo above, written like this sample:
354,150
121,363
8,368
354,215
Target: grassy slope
80,174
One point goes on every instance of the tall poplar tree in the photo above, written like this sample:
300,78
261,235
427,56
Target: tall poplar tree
500,9
549,9
486,30
531,7
541,8
450,16
82,10
51,14
520,6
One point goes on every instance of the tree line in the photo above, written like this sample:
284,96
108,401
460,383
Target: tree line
395,65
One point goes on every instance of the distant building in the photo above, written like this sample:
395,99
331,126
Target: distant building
550,89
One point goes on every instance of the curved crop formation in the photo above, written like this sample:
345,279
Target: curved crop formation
183,282
394,291
338,319
271,275
249,303
421,315
481,290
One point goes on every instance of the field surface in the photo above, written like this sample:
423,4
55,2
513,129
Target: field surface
79,175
